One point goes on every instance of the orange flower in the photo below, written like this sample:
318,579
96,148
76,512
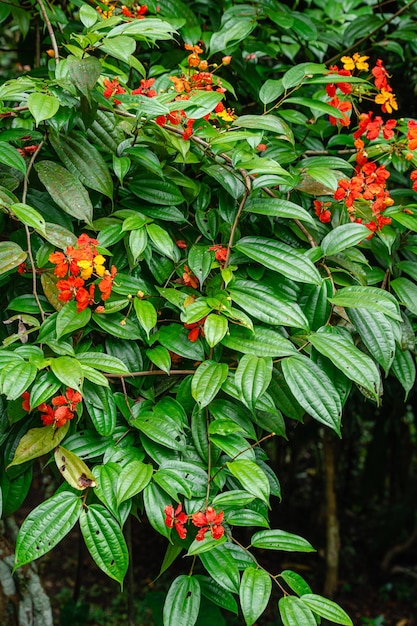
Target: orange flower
387,101
189,278
343,106
106,284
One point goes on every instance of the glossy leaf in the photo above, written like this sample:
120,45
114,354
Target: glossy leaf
251,477
37,442
69,319
343,237
132,480
11,256
182,602
280,540
370,298
252,378
377,333
221,566
65,189
255,590
294,612
10,156
68,371
327,609
73,469
146,313
104,540
207,381
215,328
16,377
42,106
46,525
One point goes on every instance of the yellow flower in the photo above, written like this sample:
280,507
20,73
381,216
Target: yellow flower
349,63
226,115
98,265
86,268
387,101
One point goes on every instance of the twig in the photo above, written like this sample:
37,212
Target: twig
151,373
50,30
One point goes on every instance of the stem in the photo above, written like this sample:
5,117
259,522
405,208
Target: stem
50,30
151,373
237,218
357,44
208,459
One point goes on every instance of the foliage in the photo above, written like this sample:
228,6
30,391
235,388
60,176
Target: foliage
182,278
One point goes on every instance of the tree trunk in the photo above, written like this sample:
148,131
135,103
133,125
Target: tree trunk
332,521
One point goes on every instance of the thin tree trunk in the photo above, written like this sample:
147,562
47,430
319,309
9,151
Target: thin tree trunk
332,521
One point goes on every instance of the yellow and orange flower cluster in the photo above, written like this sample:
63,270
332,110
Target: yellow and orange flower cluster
78,264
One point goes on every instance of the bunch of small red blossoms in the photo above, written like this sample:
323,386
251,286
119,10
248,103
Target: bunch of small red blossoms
61,409
78,264
207,521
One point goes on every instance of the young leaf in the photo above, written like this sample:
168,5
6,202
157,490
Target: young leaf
46,525
42,106
104,540
215,328
37,442
146,313
68,370
255,590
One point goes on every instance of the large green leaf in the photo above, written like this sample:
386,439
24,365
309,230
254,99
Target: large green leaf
66,190
280,540
84,73
313,390
262,341
132,479
377,333
340,349
270,123
252,478
10,156
68,370
207,381
342,237
281,258
406,292
42,106
276,207
84,160
103,362
255,590
182,602
221,566
294,612
104,540
156,191
46,525
370,298
16,377
69,319
252,377
404,369
11,255
327,609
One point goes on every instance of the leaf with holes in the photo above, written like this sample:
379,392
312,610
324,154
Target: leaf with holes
182,603
255,590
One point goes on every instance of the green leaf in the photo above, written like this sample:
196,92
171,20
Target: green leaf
317,105
207,381
295,582
271,90
406,292
294,612
233,31
104,540
215,328
313,390
252,378
280,258
73,469
182,602
16,377
42,106
217,594
265,341
276,207
270,123
88,15
340,349
146,313
229,180
103,362
162,241
175,338
163,431
69,319
84,161
84,73
252,478
37,442
265,303
377,333
296,74
200,261
45,386
11,256
280,540
138,240
29,216
132,480
68,370
46,525
155,500
66,190
370,298
404,369
10,156
156,191
160,357
254,593
342,237
327,609
221,566
117,325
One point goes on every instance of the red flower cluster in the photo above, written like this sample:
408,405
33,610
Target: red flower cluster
189,278
145,88
220,253
372,128
136,11
367,188
207,521
62,408
80,263
322,211
196,329
112,88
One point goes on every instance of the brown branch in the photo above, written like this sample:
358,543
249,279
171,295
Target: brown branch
151,373
373,32
50,30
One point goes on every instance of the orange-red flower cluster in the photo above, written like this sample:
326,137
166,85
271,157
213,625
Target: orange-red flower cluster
136,11
322,211
60,411
196,329
78,264
208,521
372,128
366,190
220,252
189,278
145,88
112,88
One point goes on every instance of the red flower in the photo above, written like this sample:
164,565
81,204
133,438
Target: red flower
106,284
26,401
177,519
210,520
380,74
84,298
68,288
196,329
145,88
220,252
70,399
48,417
112,87
343,106
189,278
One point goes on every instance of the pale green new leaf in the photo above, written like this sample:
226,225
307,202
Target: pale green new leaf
42,106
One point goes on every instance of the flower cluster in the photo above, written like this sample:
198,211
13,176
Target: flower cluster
384,96
220,252
136,11
196,329
59,411
208,521
106,8
79,263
